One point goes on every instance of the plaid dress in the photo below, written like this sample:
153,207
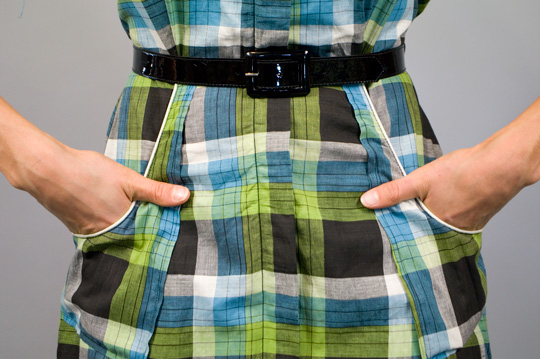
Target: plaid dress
273,256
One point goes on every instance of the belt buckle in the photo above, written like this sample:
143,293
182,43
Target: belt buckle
277,74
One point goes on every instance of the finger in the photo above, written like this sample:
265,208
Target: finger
160,193
391,193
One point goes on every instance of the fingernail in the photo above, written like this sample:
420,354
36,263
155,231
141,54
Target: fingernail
370,199
179,194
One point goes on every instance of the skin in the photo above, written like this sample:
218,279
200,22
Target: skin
466,188
88,191
84,189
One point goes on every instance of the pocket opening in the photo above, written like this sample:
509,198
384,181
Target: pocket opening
421,206
448,225
146,171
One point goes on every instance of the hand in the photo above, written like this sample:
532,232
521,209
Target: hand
465,188
88,191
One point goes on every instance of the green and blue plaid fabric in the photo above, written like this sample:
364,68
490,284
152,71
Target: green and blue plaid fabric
273,256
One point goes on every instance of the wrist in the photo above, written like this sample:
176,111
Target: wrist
513,155
37,164
30,158
24,148
526,129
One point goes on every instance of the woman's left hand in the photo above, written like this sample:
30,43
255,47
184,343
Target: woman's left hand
466,188
460,188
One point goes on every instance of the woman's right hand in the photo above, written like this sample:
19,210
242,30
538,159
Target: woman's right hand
86,190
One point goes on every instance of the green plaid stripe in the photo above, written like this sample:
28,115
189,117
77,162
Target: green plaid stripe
422,5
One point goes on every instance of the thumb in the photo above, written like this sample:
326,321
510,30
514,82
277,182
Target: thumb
390,193
160,193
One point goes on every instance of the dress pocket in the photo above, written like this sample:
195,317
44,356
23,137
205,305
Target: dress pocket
114,287
439,265
134,152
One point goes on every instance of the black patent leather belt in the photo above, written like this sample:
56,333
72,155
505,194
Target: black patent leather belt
271,74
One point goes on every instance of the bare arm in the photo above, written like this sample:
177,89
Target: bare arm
85,190
466,188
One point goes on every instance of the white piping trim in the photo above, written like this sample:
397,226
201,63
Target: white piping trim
424,207
161,130
379,122
151,159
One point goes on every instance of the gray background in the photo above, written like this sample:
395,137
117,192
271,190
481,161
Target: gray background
476,66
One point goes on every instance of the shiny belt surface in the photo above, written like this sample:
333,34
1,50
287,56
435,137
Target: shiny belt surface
272,73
